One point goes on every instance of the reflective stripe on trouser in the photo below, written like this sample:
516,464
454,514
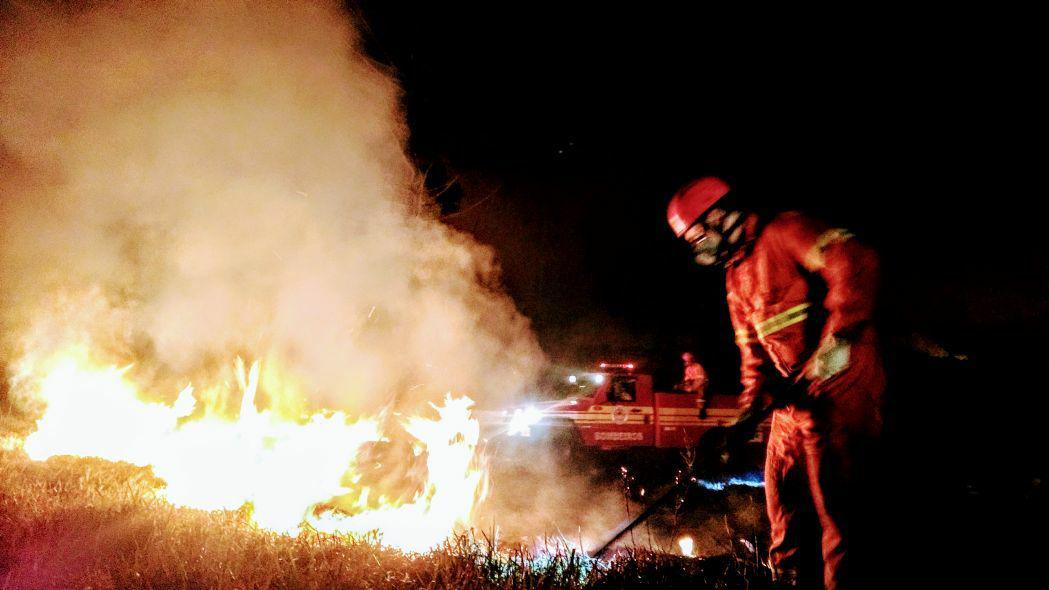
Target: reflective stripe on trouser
814,464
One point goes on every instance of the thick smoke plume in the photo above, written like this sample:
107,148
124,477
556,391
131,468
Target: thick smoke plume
186,181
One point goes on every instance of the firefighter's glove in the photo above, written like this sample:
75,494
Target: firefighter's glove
830,359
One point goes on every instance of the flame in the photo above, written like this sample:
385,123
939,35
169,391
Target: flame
288,471
751,480
448,496
687,546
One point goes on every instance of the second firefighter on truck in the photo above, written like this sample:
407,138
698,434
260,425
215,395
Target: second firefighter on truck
694,380
820,446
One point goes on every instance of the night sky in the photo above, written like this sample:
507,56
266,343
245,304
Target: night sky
566,131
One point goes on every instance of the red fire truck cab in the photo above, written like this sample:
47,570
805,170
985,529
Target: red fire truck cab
624,411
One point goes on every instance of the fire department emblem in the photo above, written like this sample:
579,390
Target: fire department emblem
619,415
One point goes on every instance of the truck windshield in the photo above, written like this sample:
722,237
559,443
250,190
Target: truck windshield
622,389
576,384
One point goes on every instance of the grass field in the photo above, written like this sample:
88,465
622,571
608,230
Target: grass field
84,523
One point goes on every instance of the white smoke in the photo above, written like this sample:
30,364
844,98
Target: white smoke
183,181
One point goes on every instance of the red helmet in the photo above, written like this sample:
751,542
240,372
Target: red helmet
692,201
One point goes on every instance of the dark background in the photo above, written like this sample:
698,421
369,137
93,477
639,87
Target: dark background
557,135
568,129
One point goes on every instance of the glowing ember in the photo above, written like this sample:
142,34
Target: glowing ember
687,546
285,469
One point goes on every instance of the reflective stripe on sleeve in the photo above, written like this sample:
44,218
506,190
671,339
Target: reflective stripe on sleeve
774,324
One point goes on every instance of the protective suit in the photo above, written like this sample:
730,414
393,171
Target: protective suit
801,297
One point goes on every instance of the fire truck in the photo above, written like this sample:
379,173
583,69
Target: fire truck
622,410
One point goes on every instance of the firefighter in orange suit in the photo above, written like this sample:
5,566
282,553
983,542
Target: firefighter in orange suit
694,380
801,297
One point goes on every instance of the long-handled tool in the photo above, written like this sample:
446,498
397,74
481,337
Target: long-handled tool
714,445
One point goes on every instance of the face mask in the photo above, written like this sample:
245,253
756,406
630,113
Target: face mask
707,249
721,236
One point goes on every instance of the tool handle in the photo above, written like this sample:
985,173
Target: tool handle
714,439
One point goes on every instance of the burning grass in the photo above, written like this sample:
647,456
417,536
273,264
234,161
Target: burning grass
88,523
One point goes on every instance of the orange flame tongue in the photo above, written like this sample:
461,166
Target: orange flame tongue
283,468
448,497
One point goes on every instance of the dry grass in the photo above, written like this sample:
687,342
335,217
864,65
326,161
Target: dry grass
82,523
